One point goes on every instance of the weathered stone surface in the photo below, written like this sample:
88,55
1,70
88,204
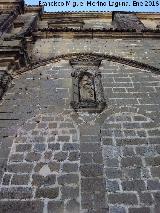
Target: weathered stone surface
101,162
47,193
60,156
38,180
16,193
55,206
20,179
91,170
33,156
69,192
70,167
20,167
72,206
21,206
123,198
68,179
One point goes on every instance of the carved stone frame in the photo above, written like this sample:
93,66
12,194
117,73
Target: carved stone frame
79,69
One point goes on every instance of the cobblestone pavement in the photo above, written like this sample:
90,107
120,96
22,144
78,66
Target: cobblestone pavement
54,160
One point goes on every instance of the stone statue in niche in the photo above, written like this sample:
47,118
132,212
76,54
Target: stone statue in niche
86,88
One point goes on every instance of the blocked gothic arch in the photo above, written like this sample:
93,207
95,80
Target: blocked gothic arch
86,56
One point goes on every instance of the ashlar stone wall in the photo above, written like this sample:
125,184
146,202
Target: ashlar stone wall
54,159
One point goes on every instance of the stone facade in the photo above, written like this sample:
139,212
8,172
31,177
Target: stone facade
55,159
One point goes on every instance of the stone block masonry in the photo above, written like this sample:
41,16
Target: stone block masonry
54,160
43,165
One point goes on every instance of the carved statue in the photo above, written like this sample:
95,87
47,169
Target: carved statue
86,86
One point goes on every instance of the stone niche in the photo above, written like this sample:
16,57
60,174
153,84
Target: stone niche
87,90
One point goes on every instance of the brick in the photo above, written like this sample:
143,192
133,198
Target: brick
154,132
113,173
131,125
52,125
118,133
42,125
86,158
6,179
157,197
145,151
37,139
146,198
87,200
141,133
131,141
128,151
99,201
66,125
131,161
97,158
89,147
20,167
132,173
46,118
40,147
152,161
107,141
21,206
60,156
91,139
55,206
154,140
112,186
155,171
70,146
111,152
32,156
156,209
63,138
130,133
16,157
70,167
72,206
51,139
54,146
38,180
139,210
74,156
23,147
20,179
133,185
69,192
153,185
48,155
92,184
16,193
54,166
45,192
111,162
91,170
123,198
117,209
145,173
68,179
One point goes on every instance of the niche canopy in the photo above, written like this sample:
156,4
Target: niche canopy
87,90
